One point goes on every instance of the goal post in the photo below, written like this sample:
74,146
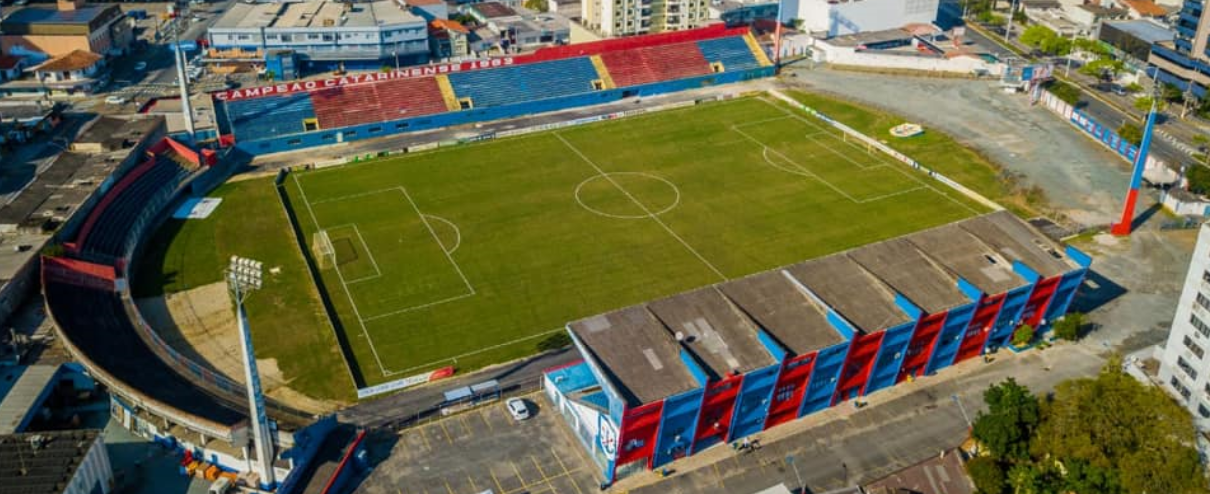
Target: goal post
321,247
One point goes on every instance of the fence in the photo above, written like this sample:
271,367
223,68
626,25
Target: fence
977,197
1098,132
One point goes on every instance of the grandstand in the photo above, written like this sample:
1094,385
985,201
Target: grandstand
298,115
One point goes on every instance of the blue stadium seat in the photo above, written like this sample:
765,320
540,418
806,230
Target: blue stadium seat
270,116
732,51
524,83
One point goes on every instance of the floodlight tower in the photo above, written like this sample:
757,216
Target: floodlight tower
244,276
1126,225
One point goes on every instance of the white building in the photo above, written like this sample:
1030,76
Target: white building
827,18
628,17
1184,366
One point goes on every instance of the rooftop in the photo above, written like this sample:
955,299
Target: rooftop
449,24
1145,7
944,474
781,309
1144,29
1014,240
314,14
493,10
109,133
713,329
899,264
42,462
637,353
968,257
853,292
20,392
32,15
8,62
869,38
75,60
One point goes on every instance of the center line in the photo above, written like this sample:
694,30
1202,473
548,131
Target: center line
642,206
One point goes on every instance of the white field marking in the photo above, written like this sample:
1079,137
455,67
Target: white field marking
642,206
801,170
900,169
354,196
457,233
418,307
437,239
481,350
764,120
365,246
846,157
341,277
593,210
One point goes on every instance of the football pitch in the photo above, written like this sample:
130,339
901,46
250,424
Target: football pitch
471,255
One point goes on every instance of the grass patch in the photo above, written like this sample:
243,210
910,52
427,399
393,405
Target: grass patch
287,319
936,150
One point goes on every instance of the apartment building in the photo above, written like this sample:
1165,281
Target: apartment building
629,17
1185,61
1184,366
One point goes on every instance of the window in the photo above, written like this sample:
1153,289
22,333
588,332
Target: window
784,393
1194,347
328,137
374,130
270,36
1201,410
1201,326
1180,388
401,126
350,133
1206,276
1203,301
244,37
1184,365
286,38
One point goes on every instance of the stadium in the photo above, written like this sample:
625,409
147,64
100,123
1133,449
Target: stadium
730,263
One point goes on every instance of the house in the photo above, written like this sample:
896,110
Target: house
448,39
1139,9
70,26
75,73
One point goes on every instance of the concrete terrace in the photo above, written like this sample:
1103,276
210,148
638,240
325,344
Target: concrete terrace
898,263
1014,240
714,331
856,294
637,353
780,308
969,258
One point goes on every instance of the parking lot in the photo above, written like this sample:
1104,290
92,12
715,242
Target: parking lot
486,450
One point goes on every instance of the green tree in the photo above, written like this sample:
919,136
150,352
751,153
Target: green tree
1134,87
1115,429
1065,92
1023,335
536,5
1012,416
1143,103
1170,92
987,474
1131,133
1068,328
1037,35
1199,179
992,19
1102,66
1091,46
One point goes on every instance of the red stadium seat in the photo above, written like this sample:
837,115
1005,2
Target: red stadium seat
646,65
379,102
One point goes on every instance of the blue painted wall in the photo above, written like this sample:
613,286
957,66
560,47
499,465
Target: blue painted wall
890,357
677,425
950,338
828,364
1061,300
353,133
752,406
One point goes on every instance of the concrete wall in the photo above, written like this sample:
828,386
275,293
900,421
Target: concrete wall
841,55
857,16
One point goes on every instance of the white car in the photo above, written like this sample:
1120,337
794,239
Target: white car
517,408
141,66
115,99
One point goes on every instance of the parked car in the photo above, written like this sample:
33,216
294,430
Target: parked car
517,408
141,66
115,99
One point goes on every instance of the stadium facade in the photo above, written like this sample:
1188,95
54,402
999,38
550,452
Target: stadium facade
667,379
298,115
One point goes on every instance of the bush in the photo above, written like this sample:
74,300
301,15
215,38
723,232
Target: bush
1068,328
992,19
1131,133
1023,335
554,342
987,475
1199,179
1065,92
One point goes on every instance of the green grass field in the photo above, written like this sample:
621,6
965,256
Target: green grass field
471,255
477,253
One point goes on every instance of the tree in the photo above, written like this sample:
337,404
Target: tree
1068,328
1012,416
1065,92
992,19
1170,92
1023,335
1134,87
987,475
1199,179
536,5
1143,103
1103,66
1131,133
1120,435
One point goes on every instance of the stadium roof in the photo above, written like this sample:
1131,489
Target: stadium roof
43,462
1014,240
642,359
314,14
780,308
968,257
852,291
713,329
898,263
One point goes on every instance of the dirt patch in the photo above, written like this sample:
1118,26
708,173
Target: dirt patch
200,324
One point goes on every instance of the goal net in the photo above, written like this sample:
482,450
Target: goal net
321,247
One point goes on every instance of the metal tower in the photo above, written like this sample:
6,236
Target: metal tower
244,276
1125,225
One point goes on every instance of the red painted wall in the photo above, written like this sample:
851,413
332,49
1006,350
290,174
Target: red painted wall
980,327
921,346
1035,307
857,365
639,427
717,407
795,373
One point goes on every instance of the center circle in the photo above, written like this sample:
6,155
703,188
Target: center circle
628,195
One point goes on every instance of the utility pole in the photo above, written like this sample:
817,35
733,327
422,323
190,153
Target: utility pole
1067,71
243,277
1008,29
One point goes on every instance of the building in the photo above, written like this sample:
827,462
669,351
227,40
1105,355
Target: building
430,9
667,379
827,18
42,32
72,74
58,462
448,39
1184,367
512,30
322,35
742,13
629,17
917,49
942,474
1185,61
1139,9
1132,40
